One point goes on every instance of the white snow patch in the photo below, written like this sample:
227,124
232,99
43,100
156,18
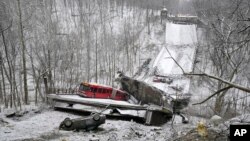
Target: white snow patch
103,101
44,126
178,34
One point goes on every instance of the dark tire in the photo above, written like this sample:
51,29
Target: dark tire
96,117
68,122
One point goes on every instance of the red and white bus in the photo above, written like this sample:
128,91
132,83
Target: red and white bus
93,90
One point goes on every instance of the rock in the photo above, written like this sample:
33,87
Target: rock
216,120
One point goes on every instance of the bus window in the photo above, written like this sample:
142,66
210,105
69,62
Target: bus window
100,90
104,91
94,90
84,88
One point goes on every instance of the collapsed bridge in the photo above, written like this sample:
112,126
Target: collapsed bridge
156,102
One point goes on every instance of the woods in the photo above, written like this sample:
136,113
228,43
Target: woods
58,44
227,49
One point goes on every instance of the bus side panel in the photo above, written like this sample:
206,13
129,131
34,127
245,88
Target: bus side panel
103,93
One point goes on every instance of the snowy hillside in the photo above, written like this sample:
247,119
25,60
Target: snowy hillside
51,47
180,43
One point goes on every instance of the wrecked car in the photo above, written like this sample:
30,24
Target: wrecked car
162,80
87,123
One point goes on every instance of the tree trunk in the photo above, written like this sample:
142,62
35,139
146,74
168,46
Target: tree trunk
22,40
50,71
9,75
148,20
96,56
3,81
45,80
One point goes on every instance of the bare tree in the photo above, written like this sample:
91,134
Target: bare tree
22,40
228,44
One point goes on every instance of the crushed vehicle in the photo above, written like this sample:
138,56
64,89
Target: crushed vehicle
162,80
88,123
136,100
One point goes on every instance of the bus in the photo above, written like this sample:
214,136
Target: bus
92,90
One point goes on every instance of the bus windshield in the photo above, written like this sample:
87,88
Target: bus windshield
84,88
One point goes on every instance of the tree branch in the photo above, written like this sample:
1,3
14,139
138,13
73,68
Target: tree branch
10,25
175,60
222,80
217,92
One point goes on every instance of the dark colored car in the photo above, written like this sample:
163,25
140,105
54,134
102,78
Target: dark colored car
87,123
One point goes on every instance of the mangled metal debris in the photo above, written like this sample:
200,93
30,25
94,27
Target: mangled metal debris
87,123
147,94
143,92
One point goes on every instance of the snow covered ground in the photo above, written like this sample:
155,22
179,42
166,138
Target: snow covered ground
44,126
